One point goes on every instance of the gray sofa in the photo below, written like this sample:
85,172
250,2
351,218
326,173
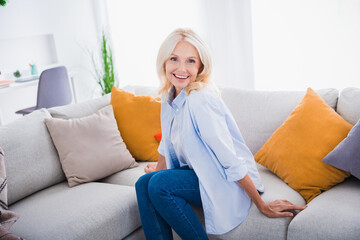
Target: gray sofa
107,209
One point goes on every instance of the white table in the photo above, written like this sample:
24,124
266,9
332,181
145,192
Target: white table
18,95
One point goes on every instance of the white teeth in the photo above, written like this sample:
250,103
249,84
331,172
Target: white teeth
181,77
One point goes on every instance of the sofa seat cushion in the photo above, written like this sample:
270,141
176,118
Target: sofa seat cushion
275,189
332,215
127,177
271,228
87,211
257,226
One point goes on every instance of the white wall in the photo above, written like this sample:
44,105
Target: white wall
225,26
306,43
138,28
74,25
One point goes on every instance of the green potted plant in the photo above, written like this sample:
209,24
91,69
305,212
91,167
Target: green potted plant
3,2
105,76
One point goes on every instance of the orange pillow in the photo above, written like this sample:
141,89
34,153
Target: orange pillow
295,150
138,119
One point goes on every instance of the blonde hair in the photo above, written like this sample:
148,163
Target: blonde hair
167,47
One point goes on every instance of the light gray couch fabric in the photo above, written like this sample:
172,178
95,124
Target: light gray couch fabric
138,234
142,90
275,189
82,109
31,159
87,211
127,177
259,113
349,104
333,215
271,228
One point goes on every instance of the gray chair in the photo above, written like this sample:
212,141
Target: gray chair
53,90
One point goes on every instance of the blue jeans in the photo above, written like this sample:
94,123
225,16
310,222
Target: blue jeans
164,199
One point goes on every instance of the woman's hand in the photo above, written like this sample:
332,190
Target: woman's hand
150,168
161,165
273,209
276,209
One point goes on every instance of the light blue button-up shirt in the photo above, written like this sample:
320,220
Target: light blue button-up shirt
213,145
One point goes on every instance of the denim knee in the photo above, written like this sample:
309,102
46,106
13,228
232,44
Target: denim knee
158,186
142,183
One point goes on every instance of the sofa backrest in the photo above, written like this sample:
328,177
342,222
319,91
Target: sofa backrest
31,160
79,110
257,113
349,104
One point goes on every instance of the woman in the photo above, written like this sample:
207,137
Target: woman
202,155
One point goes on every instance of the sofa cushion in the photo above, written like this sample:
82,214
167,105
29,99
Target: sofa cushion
252,109
87,211
138,234
295,150
259,113
91,147
80,109
127,177
346,155
275,189
271,228
331,216
32,162
349,104
138,120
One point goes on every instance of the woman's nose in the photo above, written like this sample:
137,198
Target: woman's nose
182,67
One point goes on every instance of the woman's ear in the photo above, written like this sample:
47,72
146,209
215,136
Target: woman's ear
201,68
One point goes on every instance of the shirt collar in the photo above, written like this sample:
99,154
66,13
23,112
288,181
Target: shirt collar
179,100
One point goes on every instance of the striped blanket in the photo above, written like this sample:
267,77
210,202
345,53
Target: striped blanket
3,182
7,218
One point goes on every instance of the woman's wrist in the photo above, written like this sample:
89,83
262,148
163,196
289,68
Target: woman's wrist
263,208
159,167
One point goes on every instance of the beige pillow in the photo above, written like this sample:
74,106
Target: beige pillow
90,148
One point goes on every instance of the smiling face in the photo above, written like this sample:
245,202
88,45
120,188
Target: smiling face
183,65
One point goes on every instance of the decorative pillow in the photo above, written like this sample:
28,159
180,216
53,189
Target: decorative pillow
295,150
90,148
346,155
3,182
138,120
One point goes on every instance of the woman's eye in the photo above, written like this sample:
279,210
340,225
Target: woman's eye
173,59
191,61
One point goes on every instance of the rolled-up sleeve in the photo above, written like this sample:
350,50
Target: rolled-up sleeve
210,121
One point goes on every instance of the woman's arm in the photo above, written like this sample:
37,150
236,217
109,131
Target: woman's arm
161,165
273,209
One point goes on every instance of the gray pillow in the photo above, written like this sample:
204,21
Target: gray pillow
346,155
